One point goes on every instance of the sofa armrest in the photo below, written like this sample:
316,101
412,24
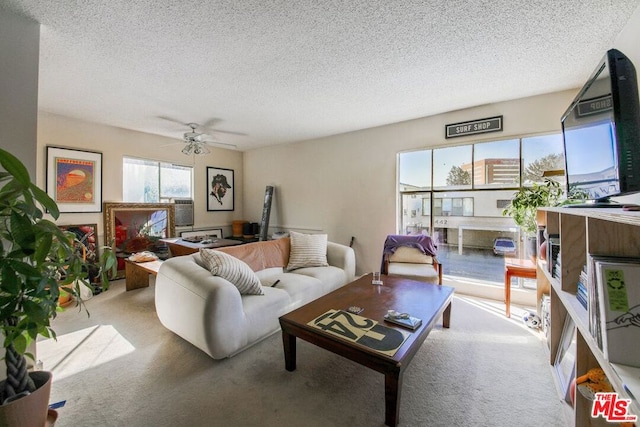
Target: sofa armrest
343,257
196,305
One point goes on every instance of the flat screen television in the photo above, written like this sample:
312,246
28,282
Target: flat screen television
601,133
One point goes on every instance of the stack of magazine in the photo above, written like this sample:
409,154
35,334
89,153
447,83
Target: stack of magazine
406,321
614,307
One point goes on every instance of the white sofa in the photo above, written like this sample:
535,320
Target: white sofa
209,311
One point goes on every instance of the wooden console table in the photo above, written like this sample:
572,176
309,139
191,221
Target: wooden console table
137,273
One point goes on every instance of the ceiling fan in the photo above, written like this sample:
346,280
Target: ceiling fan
196,144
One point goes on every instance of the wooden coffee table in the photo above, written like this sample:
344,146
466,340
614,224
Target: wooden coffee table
137,273
422,300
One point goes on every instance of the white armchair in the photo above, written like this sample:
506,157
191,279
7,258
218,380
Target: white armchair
413,257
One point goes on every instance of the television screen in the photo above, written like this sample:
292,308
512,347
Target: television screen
602,134
591,162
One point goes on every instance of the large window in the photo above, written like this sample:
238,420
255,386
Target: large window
449,167
150,181
415,170
540,154
496,164
457,195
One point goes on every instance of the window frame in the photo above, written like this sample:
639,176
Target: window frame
437,192
160,165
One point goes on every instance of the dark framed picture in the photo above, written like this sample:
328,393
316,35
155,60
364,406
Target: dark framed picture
86,236
74,179
220,189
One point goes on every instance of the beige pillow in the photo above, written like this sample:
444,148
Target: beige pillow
410,255
307,250
233,269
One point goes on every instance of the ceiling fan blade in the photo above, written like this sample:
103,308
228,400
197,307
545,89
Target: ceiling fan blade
220,143
211,123
173,120
210,127
228,132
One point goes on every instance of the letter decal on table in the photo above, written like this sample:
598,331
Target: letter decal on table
382,339
360,330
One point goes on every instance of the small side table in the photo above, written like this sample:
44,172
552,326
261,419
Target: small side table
514,267
137,273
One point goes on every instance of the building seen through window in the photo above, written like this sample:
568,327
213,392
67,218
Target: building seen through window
457,195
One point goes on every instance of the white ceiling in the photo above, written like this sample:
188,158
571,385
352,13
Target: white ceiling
280,71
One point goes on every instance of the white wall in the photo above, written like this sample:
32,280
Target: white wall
114,143
627,40
19,59
345,185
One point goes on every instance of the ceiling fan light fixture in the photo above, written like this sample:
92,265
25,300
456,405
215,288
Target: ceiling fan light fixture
195,147
194,142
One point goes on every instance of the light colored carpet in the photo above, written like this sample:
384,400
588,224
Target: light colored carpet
121,367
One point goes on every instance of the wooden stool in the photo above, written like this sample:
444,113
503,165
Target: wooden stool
514,267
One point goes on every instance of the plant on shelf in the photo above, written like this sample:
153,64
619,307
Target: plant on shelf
525,203
527,200
37,259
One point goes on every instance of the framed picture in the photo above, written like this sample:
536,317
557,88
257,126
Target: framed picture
87,243
137,227
216,233
220,189
74,179
566,357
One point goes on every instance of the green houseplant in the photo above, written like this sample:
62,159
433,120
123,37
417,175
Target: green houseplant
527,200
37,259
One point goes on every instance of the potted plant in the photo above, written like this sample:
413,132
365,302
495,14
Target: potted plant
525,203
37,259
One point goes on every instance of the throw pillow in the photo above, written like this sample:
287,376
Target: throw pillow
233,269
307,250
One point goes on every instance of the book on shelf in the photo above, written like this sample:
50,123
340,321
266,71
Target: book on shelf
618,287
408,322
545,311
593,309
582,293
553,250
557,267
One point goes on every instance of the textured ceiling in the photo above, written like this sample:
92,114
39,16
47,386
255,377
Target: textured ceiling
279,71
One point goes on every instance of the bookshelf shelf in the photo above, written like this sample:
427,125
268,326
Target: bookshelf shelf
606,232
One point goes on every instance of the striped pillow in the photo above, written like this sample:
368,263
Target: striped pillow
307,250
233,269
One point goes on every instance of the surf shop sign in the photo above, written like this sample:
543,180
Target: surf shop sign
491,124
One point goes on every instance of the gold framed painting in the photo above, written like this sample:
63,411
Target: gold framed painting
137,227
74,179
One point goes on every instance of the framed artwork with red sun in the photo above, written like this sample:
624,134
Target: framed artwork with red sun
74,179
